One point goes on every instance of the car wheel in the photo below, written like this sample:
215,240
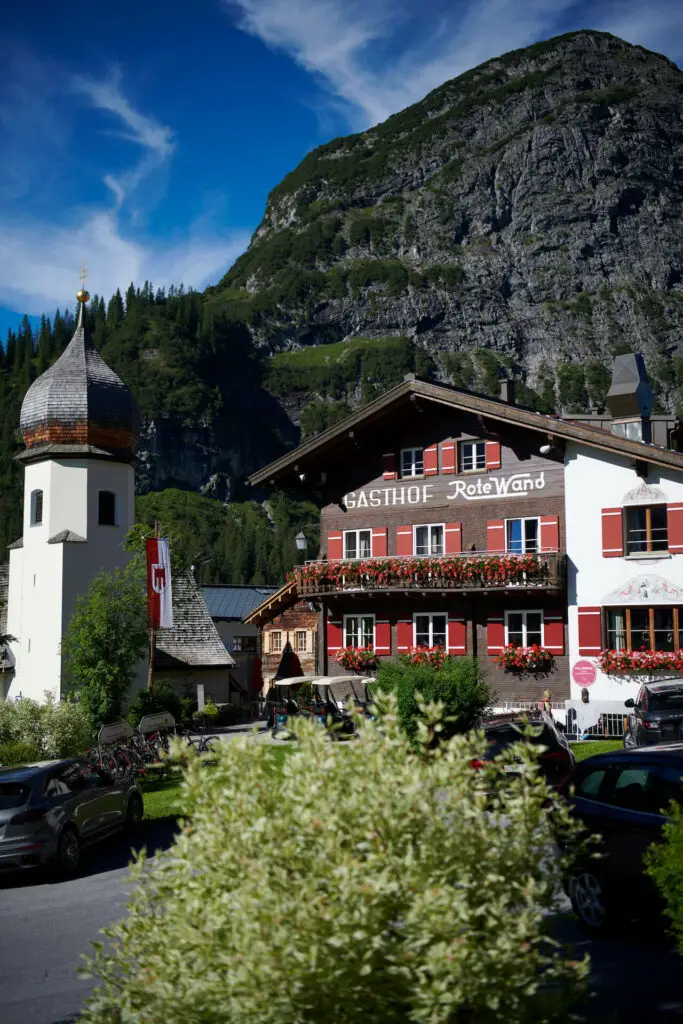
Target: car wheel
68,851
589,901
135,812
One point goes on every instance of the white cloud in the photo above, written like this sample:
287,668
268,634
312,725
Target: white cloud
345,42
154,138
39,263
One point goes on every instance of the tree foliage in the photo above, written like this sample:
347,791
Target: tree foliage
458,685
665,865
29,730
106,637
371,882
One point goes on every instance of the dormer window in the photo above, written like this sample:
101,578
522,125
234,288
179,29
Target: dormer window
106,508
646,529
36,508
412,461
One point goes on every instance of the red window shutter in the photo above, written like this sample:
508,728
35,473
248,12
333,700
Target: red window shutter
553,632
335,638
590,631
457,636
550,533
453,545
389,464
431,460
674,521
492,455
404,540
404,635
382,643
379,541
495,636
495,535
612,533
448,457
335,542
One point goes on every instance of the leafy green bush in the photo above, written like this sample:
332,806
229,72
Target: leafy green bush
53,729
367,882
665,864
162,697
458,685
18,752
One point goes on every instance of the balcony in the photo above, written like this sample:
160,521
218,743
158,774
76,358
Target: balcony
463,573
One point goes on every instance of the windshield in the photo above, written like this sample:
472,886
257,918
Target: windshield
666,701
13,794
500,739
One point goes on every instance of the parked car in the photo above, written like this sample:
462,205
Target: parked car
51,810
621,797
656,714
503,731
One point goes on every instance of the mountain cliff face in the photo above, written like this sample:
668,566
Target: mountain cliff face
530,207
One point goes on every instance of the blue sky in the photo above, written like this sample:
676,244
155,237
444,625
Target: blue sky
143,137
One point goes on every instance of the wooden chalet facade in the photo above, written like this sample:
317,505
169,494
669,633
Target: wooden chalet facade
444,523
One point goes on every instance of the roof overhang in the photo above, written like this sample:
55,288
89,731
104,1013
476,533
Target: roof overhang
273,605
413,390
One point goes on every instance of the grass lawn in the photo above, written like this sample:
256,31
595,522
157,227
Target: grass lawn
586,748
161,793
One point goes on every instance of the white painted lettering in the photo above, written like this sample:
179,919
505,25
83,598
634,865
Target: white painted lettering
516,485
427,492
540,481
387,492
362,500
413,495
350,500
399,496
486,488
528,484
375,499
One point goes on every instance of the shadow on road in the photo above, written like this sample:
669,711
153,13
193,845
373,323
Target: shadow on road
111,854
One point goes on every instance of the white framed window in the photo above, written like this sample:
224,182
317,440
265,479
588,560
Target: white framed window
472,456
357,543
300,641
107,509
359,631
524,628
275,641
430,630
412,461
522,535
36,511
244,644
428,539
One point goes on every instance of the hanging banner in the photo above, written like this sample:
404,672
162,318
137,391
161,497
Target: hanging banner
159,597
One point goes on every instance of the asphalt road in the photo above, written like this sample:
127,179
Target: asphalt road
46,925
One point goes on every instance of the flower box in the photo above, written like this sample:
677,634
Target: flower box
360,659
432,656
534,660
614,663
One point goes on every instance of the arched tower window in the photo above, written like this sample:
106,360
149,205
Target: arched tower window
106,509
36,508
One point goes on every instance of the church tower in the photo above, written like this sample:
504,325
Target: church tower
79,423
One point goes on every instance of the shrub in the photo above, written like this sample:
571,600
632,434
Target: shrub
162,697
664,862
458,684
363,882
18,752
53,729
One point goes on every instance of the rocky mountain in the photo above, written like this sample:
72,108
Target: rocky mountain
528,210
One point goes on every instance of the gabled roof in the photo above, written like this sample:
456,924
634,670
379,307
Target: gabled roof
280,601
412,388
193,640
233,602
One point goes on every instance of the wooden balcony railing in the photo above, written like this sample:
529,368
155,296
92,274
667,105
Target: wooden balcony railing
467,571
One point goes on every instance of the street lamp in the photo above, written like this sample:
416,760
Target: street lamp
300,541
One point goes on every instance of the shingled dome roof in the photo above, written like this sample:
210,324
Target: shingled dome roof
79,405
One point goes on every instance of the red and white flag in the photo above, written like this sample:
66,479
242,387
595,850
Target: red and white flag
159,596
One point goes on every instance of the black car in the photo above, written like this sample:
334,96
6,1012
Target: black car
656,715
620,797
502,731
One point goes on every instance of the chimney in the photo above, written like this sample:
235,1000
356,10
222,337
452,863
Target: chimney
630,399
507,391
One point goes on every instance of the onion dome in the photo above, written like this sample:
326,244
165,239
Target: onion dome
79,406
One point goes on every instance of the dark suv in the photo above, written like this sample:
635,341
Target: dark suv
622,797
656,715
504,730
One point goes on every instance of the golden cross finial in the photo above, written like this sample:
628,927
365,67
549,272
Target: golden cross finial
82,295
84,274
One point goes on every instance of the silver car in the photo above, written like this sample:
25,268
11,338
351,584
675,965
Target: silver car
49,811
